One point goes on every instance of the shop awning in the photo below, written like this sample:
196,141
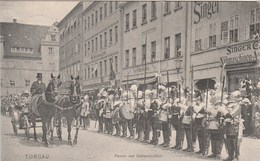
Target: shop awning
202,84
141,81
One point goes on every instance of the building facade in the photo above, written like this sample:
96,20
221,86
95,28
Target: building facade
154,40
101,45
71,43
225,33
25,51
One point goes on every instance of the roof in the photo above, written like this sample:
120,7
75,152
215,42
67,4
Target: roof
77,8
22,35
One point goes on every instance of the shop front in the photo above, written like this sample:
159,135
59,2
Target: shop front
242,62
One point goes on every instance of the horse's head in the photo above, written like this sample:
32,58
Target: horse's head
52,88
75,89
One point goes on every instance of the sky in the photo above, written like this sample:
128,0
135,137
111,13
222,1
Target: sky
35,12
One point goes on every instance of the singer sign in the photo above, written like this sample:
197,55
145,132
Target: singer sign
205,10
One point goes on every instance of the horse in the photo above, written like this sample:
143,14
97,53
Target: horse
70,107
43,106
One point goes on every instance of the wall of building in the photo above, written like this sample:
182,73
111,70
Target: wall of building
207,60
71,43
23,71
94,49
165,24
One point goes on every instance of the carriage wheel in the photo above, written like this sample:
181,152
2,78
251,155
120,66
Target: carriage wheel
14,127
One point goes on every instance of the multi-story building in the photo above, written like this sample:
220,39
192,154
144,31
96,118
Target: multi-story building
71,43
225,33
25,51
101,44
154,40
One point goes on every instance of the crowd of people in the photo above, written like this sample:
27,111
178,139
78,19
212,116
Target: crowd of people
211,117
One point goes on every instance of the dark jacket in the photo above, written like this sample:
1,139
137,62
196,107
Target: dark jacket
37,88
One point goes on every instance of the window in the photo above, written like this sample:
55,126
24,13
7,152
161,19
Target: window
96,17
105,10
85,45
96,71
255,24
50,51
153,50
153,10
88,72
85,73
100,13
92,19
27,83
53,38
127,58
105,37
105,65
255,31
212,34
167,7
110,37
127,22
252,16
92,44
233,32
85,24
144,54
88,22
116,4
12,83
100,39
96,44
144,14
134,57
116,64
224,32
177,4
178,45
110,7
101,67
88,47
134,19
116,34
167,48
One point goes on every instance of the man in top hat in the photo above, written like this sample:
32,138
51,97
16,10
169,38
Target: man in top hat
38,87
233,126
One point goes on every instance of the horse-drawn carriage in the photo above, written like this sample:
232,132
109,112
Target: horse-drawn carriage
21,116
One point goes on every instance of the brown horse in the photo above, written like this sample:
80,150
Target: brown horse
43,106
70,108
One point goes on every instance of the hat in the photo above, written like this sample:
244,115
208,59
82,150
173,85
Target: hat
140,94
39,75
246,100
86,97
234,96
148,92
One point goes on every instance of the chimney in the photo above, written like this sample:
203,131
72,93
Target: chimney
14,20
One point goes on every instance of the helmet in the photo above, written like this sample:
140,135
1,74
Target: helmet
86,97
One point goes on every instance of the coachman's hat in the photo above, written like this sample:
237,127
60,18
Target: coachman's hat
39,75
